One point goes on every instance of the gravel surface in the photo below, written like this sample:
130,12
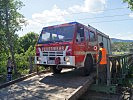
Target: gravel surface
44,87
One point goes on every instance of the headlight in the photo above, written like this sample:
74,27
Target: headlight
67,59
39,58
37,62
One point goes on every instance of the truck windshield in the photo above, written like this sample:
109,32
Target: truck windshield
56,34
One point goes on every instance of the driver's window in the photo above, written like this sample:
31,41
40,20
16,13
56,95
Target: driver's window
80,34
45,36
55,37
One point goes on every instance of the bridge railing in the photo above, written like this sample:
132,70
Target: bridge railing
118,68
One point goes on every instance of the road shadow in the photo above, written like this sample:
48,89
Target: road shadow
70,79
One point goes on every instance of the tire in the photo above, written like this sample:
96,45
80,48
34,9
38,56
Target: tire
88,65
55,70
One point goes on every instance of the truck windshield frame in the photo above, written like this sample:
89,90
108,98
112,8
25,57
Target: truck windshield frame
56,34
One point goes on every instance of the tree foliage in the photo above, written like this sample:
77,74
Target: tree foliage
121,46
26,41
9,12
10,22
130,3
25,47
19,48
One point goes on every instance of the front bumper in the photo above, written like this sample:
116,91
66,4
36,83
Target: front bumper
64,60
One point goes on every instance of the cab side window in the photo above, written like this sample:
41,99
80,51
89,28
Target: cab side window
80,34
92,36
87,35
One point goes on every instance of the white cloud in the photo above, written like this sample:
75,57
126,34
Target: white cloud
54,15
48,16
92,6
58,15
131,15
31,26
45,18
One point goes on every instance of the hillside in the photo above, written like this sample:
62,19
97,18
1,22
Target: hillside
120,40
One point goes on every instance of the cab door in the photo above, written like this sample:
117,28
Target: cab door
93,45
92,41
86,40
79,48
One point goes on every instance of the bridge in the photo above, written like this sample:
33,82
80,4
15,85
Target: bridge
70,85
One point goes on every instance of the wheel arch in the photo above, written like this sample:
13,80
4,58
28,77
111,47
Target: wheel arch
88,55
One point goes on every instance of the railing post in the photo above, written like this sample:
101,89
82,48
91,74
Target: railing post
108,71
31,65
119,67
122,65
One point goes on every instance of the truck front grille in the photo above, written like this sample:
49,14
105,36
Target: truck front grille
53,53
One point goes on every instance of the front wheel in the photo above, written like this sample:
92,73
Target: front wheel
56,69
88,65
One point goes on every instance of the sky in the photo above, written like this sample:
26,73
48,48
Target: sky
112,17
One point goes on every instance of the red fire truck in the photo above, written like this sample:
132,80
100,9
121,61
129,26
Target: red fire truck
70,45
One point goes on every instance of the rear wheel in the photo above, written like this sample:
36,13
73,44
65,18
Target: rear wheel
88,65
56,69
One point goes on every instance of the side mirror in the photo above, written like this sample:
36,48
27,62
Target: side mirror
76,40
82,34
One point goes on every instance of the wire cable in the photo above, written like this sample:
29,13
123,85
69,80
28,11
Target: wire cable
97,18
111,21
95,11
104,16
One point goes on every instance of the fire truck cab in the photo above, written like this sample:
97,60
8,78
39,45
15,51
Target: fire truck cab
70,45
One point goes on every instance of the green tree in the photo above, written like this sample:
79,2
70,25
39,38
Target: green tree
121,46
26,41
10,22
26,48
130,3
23,60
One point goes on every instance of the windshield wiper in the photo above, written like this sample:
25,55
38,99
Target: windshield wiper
59,40
49,41
67,39
54,41
63,40
46,42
